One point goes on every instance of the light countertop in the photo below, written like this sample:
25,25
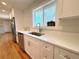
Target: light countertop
68,41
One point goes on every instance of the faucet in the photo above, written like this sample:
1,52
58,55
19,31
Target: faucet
39,28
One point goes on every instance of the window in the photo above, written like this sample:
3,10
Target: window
38,17
44,14
49,13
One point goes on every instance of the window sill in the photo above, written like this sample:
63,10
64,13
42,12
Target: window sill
46,28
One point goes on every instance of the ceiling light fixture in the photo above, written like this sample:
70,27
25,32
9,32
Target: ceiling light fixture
3,10
4,3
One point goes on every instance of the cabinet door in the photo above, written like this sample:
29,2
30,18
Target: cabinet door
46,51
32,47
63,54
59,8
70,8
35,49
27,44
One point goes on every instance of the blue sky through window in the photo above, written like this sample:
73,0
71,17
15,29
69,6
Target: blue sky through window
38,17
49,13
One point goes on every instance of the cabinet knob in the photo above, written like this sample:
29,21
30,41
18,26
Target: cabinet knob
45,46
65,57
45,57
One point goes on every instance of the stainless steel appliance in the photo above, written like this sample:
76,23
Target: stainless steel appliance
13,27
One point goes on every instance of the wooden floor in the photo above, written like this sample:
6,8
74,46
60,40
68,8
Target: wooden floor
9,49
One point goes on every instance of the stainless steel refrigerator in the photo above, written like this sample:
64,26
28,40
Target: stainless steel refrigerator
13,27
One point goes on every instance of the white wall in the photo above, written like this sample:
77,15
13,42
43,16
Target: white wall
19,19
5,26
28,17
11,13
1,26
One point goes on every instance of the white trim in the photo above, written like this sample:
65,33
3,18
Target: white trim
43,5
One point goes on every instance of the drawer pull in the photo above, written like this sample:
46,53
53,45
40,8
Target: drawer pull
65,57
28,43
45,46
45,57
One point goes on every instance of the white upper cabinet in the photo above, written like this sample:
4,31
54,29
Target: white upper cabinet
59,8
68,8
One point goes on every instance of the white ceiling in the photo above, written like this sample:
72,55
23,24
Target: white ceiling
19,4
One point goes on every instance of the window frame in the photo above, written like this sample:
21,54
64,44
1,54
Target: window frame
42,6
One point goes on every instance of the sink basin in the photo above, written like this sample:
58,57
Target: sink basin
36,33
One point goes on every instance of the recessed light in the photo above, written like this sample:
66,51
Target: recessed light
4,3
3,10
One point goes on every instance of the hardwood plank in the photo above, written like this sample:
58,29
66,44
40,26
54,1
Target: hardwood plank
9,49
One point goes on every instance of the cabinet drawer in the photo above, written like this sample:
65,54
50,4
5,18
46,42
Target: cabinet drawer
46,51
27,37
47,47
32,47
64,54
35,49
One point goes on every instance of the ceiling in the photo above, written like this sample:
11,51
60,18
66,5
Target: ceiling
19,4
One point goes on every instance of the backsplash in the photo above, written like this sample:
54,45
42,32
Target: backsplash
69,27
70,24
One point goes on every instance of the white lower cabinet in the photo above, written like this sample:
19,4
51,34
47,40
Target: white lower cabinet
38,49
35,49
64,54
32,47
42,50
27,45
46,51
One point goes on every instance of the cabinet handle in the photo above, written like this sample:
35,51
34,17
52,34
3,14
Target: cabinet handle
65,57
45,46
28,43
45,57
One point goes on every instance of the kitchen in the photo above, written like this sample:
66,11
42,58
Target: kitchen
47,29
